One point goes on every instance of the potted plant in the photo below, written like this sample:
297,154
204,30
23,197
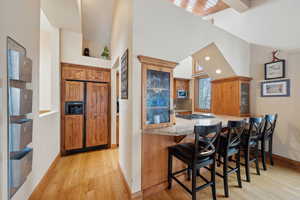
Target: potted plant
105,53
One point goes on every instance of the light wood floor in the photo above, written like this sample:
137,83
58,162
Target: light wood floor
86,176
96,176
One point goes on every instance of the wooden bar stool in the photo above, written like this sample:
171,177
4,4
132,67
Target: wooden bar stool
250,141
267,136
229,147
197,155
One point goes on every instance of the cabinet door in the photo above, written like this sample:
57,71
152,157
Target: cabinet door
97,75
73,133
73,73
157,106
230,104
225,98
74,91
245,98
97,114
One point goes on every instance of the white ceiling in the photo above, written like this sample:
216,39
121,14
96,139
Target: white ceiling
238,5
63,14
273,23
97,18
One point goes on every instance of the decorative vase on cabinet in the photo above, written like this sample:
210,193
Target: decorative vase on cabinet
157,90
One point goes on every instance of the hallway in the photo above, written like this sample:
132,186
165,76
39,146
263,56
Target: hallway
86,176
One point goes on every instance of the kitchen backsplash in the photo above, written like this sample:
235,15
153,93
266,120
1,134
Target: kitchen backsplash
183,104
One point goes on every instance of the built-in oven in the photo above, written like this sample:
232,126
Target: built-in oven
74,108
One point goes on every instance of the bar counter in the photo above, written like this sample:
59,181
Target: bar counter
186,127
155,143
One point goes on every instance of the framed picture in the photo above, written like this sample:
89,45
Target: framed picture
124,75
275,70
280,88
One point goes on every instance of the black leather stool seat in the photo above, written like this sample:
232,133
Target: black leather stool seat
252,142
185,153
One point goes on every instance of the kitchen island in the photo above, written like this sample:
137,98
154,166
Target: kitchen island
155,143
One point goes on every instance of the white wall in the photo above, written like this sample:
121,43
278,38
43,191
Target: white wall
45,70
55,70
21,21
184,69
25,28
97,16
121,40
71,51
49,65
287,133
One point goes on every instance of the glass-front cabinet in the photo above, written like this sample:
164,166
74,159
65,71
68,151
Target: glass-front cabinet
245,98
157,90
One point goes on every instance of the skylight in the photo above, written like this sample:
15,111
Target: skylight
210,3
191,5
178,2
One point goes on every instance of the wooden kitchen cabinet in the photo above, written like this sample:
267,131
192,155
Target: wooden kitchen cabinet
99,76
73,91
157,92
181,84
73,132
231,96
85,108
97,114
85,73
70,72
185,113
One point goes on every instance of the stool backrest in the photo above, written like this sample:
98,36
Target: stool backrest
234,134
270,123
255,128
206,139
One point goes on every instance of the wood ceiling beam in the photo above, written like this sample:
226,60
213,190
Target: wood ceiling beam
198,6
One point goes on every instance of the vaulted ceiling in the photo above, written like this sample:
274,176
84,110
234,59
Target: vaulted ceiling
63,13
270,23
273,23
97,17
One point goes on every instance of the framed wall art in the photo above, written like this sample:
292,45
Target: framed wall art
275,70
279,88
124,75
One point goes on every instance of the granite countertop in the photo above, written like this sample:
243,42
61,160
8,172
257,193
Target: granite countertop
183,110
186,127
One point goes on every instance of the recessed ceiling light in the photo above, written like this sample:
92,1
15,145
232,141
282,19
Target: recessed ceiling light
207,58
218,71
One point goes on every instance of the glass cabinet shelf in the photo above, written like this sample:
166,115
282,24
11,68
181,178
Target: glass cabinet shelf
157,92
158,107
159,89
